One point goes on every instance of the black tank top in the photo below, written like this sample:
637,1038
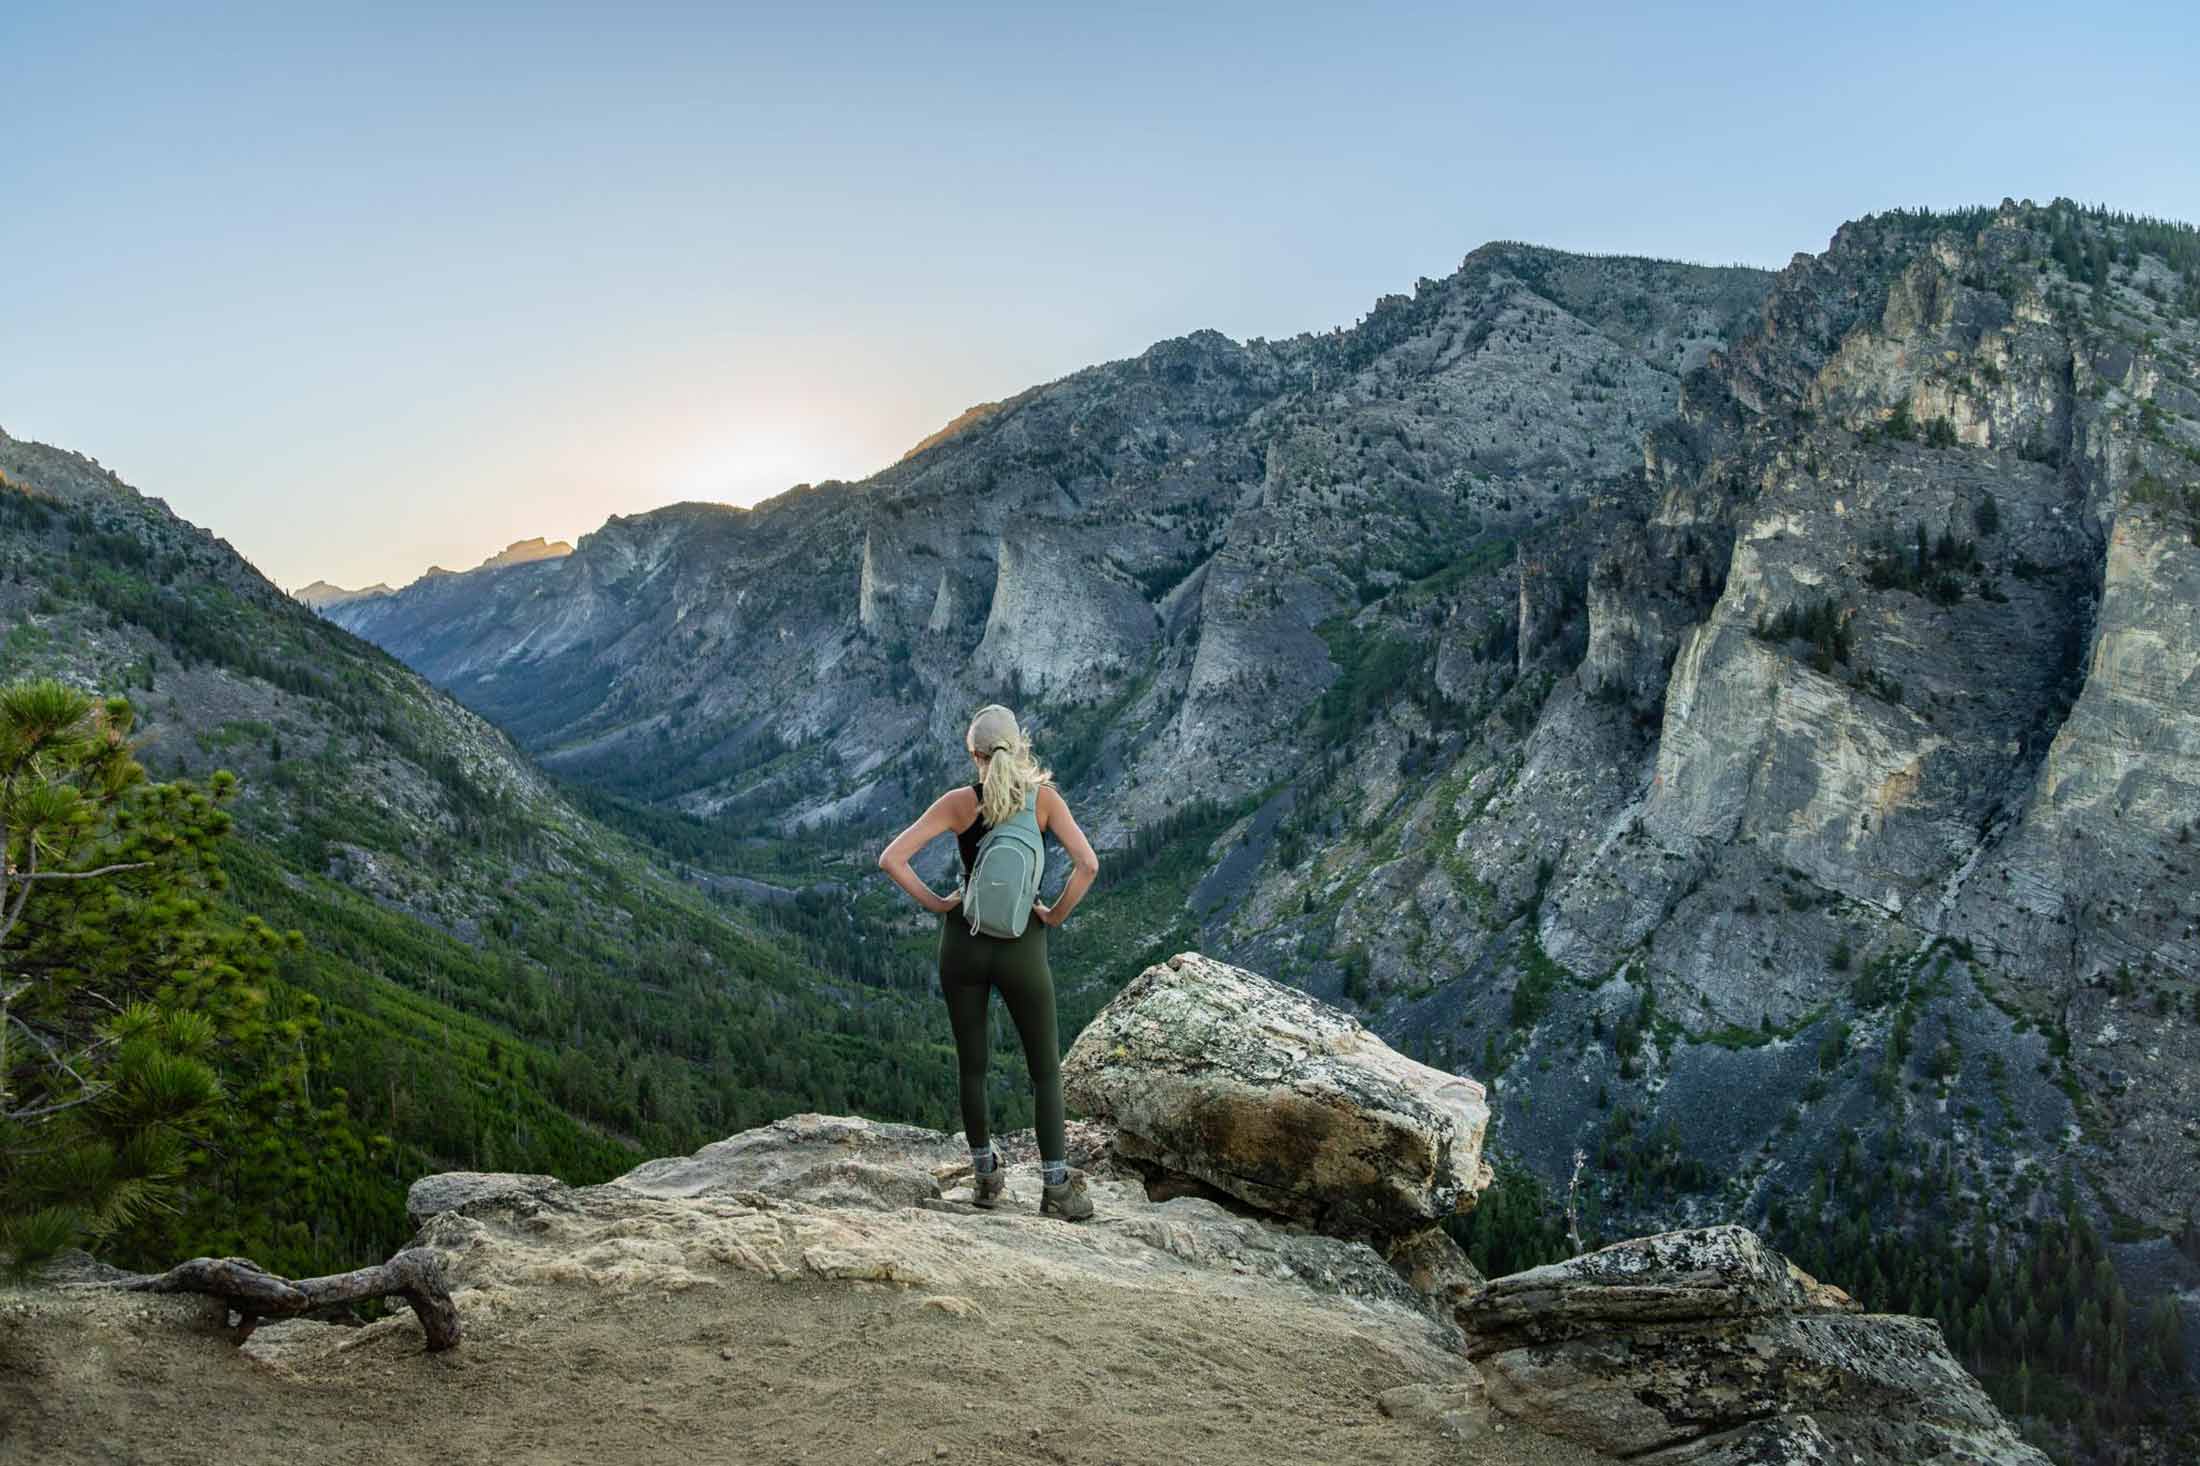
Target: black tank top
968,839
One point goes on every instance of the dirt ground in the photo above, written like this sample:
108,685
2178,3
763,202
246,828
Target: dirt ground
751,1371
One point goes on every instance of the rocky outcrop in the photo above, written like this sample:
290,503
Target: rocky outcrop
1213,1073
1706,1347
1698,1346
1715,1273
817,1158
827,1196
1701,1346
740,1324
1059,625
1284,1102
444,1191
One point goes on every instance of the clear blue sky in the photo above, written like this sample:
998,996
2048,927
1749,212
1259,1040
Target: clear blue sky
365,294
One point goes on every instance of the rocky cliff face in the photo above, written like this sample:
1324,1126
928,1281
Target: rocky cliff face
1877,753
1610,657
1946,687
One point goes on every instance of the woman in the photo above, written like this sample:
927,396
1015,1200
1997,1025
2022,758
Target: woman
973,964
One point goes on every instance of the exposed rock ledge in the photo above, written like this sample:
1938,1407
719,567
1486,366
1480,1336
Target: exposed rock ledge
838,1197
820,1289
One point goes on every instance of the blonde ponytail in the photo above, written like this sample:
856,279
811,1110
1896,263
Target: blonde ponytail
1012,772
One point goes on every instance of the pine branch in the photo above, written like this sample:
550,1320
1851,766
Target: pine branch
10,916
44,1110
81,875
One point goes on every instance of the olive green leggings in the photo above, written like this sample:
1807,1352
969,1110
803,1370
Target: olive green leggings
970,968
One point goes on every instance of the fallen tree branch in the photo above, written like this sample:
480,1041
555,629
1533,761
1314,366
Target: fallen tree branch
415,1274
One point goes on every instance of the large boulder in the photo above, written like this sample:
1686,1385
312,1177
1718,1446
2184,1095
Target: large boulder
1279,1100
1708,1347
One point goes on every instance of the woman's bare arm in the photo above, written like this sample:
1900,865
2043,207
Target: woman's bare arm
1056,820
943,818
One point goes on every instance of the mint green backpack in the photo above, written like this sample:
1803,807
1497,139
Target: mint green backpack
1004,878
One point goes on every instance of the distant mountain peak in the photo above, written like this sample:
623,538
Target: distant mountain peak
525,552
321,594
518,552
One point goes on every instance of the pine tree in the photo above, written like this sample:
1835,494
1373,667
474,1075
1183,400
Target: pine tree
100,1097
161,1094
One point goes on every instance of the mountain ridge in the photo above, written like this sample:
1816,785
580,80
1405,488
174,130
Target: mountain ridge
1204,356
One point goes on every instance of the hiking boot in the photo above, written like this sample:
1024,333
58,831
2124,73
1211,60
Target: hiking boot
986,1186
1068,1200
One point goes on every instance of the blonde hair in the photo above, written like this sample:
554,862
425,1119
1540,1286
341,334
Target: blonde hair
1012,773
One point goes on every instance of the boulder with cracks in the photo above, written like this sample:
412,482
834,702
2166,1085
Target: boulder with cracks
1707,1347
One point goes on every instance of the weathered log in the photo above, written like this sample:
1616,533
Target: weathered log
415,1274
